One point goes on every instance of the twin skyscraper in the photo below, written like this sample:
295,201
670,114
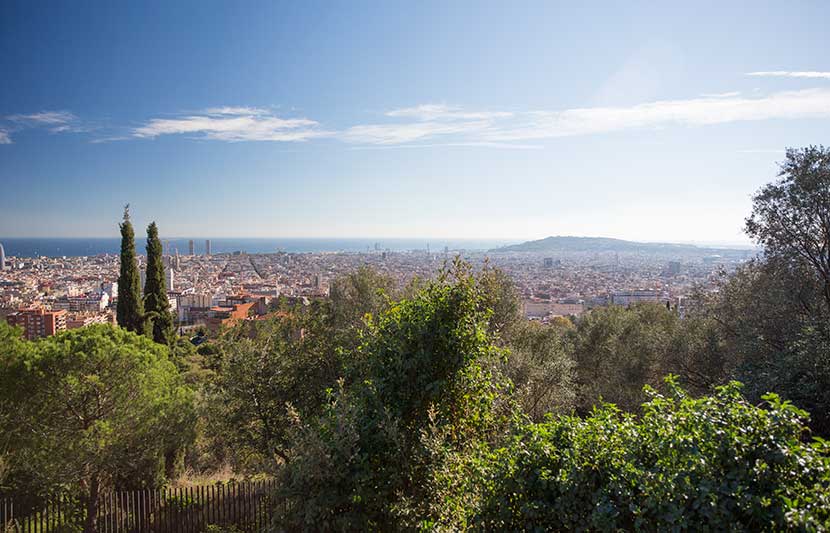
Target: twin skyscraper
192,250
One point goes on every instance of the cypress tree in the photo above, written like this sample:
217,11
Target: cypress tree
130,308
156,304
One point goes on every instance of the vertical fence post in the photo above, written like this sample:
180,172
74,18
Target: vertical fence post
154,498
194,511
222,500
164,510
245,503
188,511
180,508
258,512
235,500
213,504
138,511
194,497
250,514
122,511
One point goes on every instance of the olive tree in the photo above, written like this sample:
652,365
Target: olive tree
540,365
791,217
618,350
773,313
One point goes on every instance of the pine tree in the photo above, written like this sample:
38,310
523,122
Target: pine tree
156,304
130,308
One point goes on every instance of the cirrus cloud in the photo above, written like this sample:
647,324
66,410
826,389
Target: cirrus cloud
54,121
444,112
233,124
407,133
433,124
428,121
790,74
49,118
808,103
455,125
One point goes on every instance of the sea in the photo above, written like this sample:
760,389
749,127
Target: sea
73,247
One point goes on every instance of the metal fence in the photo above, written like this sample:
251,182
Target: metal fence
245,506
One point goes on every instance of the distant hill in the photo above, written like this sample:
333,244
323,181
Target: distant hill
603,244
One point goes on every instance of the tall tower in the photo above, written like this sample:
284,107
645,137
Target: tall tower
190,244
2,258
170,279
207,246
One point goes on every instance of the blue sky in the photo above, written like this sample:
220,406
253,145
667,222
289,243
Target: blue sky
426,119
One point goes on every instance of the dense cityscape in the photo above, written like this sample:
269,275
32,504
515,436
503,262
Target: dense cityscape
214,290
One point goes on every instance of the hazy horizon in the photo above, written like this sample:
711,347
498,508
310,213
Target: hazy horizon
379,239
139,229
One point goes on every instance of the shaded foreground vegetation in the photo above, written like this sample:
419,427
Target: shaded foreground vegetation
435,406
242,507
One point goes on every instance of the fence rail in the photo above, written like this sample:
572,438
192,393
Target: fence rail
246,506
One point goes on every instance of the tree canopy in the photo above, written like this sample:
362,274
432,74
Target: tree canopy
103,408
791,217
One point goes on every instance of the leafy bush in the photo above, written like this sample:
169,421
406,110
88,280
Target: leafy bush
264,369
542,369
618,350
363,463
715,462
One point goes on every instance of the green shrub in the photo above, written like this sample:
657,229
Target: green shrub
715,462
363,464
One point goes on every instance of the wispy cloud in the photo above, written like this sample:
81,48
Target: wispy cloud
790,74
54,121
445,125
510,146
729,94
53,118
426,121
454,125
230,110
114,138
411,132
442,112
810,103
233,124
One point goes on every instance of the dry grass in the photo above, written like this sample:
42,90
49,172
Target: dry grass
189,478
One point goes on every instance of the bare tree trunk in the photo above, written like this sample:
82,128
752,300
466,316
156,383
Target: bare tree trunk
91,521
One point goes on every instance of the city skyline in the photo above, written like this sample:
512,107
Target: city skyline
381,121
